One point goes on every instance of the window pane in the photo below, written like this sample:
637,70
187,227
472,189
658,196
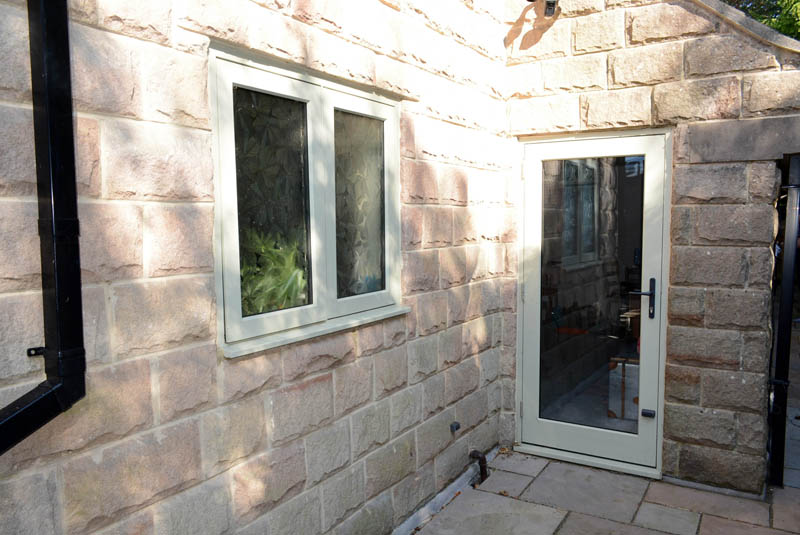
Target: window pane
587,209
359,204
570,209
272,194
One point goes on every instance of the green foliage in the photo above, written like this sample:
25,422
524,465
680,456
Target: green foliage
781,15
273,277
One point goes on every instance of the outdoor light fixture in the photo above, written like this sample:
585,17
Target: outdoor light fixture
549,7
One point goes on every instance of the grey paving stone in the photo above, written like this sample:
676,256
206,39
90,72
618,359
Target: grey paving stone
587,490
481,513
509,482
786,509
578,524
677,521
741,509
519,463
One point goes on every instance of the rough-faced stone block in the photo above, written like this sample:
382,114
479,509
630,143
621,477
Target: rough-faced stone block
734,390
229,23
370,339
703,347
20,328
465,226
342,495
560,113
300,515
578,73
111,241
187,381
696,100
390,464
418,182
682,384
696,425
156,162
645,65
104,485
375,518
319,354
29,505
353,385
710,183
394,332
411,226
232,433
391,371
763,182
202,509
732,225
406,409
453,185
165,77
490,366
410,493
476,336
461,379
709,266
433,395
150,316
686,306
423,355
535,44
301,408
451,463
472,410
434,435
756,351
431,313
141,523
601,31
609,109
245,375
370,427
17,163
737,309
667,22
751,433
15,77
327,450
149,20
420,271
267,480
729,141
761,265
21,260
178,239
726,53
722,468
766,94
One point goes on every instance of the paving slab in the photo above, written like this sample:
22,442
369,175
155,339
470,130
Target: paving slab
509,483
699,501
578,524
519,463
668,519
786,509
791,477
714,525
587,490
481,513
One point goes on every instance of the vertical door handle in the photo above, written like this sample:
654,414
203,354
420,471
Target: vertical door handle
652,295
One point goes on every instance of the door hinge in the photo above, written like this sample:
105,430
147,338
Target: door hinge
520,409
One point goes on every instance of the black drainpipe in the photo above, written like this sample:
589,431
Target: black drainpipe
64,354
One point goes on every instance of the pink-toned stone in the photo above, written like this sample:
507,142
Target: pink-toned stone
452,266
243,376
111,241
15,76
718,98
432,313
232,433
726,54
662,22
620,108
20,260
394,332
178,239
29,504
318,354
544,114
766,94
186,381
576,73
418,183
411,219
453,185
146,20
370,339
476,336
20,328
17,163
420,271
302,408
601,31
353,385
645,65
465,226
165,76
391,371
229,23
437,227
461,379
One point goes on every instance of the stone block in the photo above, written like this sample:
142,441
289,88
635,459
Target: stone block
472,410
406,409
476,263
763,182
733,225
758,139
574,8
420,271
601,31
756,351
734,390
165,76
560,113
738,309
267,480
17,163
451,463
412,492
229,23
87,156
508,362
327,450
29,505
703,347
476,336
761,265
418,182
390,464
105,485
725,54
696,425
682,384
243,376
709,266
722,468
141,523
431,313
186,381
178,238
697,100
751,433
370,427
318,354
773,93
232,433
423,355
21,261
375,518
111,241
411,226
663,22
508,390
301,408
465,225
509,330
370,339
686,306
460,380
619,108
682,225
394,332
391,371
464,303
156,162
433,395
452,266
647,65
453,185
434,435
20,328
408,143
710,183
15,77
490,366
352,385
495,395
152,316
536,43
205,508
300,515
507,428
342,495
485,436
106,71
577,73
150,20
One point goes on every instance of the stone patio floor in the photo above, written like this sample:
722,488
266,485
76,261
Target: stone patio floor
527,495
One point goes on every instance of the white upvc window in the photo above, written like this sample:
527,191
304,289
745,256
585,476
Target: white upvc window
307,225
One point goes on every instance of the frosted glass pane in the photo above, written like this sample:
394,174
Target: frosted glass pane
272,194
359,204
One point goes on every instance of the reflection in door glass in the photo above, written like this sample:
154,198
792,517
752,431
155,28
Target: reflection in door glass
591,260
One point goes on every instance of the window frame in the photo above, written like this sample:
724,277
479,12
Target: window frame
238,335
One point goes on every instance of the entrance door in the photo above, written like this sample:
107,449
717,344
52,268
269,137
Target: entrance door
592,295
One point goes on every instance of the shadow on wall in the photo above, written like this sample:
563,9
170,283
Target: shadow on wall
540,25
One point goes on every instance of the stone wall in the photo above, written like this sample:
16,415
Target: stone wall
732,101
347,433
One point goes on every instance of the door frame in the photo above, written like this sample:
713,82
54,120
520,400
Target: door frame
580,458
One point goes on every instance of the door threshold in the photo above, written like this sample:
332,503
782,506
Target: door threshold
588,460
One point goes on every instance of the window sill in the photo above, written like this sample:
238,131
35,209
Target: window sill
255,345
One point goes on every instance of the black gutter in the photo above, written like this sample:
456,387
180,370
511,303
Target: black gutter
779,381
64,354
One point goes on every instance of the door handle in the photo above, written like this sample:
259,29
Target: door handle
652,295
648,413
